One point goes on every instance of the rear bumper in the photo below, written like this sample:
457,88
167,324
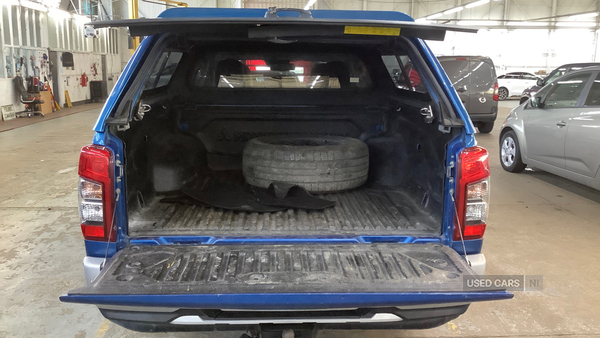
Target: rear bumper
477,263
408,317
91,268
485,116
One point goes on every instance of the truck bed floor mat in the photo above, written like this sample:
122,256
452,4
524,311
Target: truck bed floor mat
357,212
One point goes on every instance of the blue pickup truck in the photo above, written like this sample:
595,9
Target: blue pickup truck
271,169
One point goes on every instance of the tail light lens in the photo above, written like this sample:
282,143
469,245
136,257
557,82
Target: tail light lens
96,193
496,98
472,193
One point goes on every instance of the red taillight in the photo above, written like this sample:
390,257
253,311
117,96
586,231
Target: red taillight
472,193
496,98
96,193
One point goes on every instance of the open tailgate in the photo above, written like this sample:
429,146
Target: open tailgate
300,276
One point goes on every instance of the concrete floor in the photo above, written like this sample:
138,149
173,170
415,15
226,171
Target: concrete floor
539,224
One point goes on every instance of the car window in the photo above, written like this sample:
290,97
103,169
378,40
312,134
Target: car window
163,70
501,76
593,98
564,93
275,71
553,76
458,72
402,72
482,76
529,77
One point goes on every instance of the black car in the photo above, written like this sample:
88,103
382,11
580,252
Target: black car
558,72
475,81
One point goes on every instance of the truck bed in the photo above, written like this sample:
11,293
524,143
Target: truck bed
358,212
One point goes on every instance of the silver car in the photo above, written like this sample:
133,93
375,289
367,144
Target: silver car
557,130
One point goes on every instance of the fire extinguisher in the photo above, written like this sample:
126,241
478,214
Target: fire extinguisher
84,80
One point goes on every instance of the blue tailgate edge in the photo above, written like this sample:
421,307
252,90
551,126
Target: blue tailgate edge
295,301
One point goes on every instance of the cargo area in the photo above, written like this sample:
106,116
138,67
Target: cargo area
191,132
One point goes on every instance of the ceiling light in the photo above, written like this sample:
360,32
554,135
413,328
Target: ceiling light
434,16
527,23
477,3
575,24
583,16
33,5
454,10
310,3
422,20
478,23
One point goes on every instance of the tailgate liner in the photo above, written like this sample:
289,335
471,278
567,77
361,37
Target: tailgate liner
265,269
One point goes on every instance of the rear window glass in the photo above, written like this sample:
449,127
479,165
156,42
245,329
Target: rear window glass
457,71
164,69
482,76
280,71
403,73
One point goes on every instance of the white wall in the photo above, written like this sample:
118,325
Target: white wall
70,79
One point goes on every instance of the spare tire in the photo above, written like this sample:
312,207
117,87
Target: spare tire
316,163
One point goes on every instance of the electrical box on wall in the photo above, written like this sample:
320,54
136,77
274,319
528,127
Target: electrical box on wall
90,32
67,59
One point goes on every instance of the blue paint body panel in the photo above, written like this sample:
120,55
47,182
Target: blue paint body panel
260,13
288,301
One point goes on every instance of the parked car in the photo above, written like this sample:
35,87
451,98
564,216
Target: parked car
513,84
558,130
284,173
474,78
558,72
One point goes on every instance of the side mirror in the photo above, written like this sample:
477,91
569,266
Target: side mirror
540,82
536,102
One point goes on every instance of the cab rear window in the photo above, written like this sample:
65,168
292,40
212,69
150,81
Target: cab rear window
284,71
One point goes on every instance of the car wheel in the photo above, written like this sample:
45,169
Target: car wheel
316,163
485,127
502,94
510,154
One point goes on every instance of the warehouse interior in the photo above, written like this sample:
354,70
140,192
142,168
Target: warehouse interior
58,75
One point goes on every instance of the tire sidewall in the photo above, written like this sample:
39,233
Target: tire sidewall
518,159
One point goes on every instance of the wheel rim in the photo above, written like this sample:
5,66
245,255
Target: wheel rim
508,151
503,94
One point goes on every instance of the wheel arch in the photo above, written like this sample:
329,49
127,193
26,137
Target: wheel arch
520,141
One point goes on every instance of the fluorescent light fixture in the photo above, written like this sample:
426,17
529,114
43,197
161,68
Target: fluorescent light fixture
454,10
58,14
34,5
583,16
434,16
575,24
309,3
527,23
478,23
423,20
477,3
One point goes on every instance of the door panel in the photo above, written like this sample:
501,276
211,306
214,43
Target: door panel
482,88
546,128
582,149
545,140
